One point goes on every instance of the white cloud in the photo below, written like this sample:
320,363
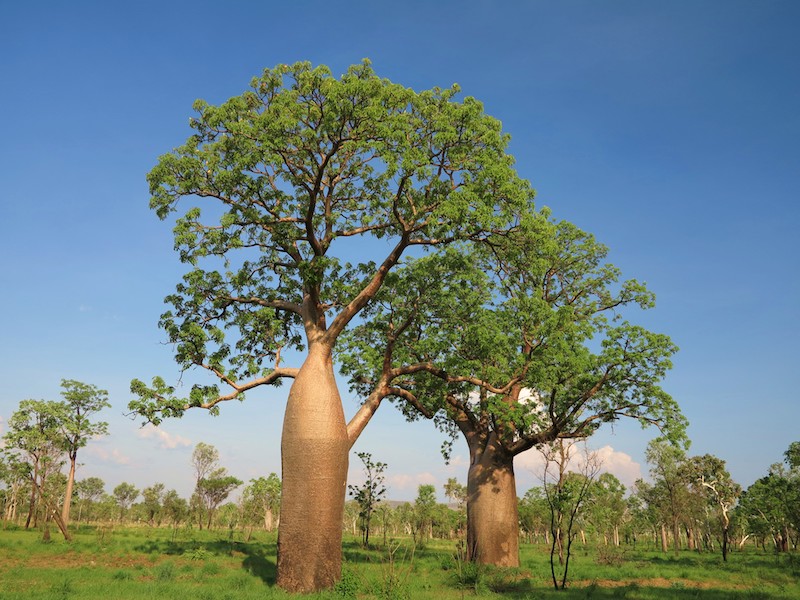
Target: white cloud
619,464
406,482
165,440
115,456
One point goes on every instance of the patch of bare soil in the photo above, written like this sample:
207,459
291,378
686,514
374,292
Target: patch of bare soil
70,560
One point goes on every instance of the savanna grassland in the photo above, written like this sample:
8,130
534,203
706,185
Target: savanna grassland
136,563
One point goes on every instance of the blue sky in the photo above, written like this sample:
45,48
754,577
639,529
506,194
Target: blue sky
669,130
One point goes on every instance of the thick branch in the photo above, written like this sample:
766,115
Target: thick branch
364,414
366,294
276,303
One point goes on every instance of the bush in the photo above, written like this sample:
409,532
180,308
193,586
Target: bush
610,555
349,585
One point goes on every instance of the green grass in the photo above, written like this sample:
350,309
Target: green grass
143,563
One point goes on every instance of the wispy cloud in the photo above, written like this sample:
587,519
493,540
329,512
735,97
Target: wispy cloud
165,440
103,455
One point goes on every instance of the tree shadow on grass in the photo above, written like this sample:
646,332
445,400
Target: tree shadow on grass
524,590
260,563
258,557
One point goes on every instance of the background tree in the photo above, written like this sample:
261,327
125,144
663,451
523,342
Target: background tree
13,475
205,458
81,402
214,489
534,514
175,508
33,447
89,491
151,499
608,508
424,506
455,492
305,168
515,345
370,493
713,482
124,495
262,498
770,504
669,493
566,493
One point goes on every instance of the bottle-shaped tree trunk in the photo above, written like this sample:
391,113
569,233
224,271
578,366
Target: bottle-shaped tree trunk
314,456
492,517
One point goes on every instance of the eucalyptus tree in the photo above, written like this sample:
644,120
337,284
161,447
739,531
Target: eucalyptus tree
81,402
13,475
714,483
214,489
669,493
152,498
455,492
89,491
261,500
205,458
534,514
34,448
124,495
514,344
175,508
424,507
771,504
298,174
607,506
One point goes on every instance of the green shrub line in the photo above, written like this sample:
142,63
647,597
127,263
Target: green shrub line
143,563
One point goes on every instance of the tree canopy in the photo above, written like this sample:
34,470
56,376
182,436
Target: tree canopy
299,171
522,337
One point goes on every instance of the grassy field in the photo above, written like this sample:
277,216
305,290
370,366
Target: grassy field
128,563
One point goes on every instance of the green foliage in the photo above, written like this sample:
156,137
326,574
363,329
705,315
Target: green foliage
370,493
289,175
521,338
81,401
261,500
349,585
124,494
771,505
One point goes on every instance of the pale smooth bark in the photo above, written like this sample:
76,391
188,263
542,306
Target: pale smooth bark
65,510
314,456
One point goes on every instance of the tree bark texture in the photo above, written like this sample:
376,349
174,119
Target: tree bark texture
65,510
492,518
314,457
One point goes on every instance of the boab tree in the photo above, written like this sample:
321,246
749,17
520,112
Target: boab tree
302,171
515,346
